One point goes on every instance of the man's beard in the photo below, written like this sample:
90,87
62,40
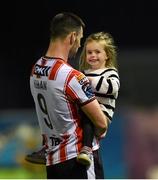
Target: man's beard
72,52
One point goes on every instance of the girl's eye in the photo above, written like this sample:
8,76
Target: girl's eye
89,52
97,52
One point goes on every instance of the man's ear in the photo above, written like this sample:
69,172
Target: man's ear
72,38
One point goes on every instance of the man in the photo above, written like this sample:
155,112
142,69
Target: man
59,91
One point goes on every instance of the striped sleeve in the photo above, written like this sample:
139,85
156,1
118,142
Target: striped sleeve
106,84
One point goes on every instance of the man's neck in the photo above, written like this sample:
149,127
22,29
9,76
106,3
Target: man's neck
58,49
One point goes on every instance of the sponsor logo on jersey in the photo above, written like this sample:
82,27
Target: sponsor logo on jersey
82,79
81,76
41,70
88,90
86,86
55,141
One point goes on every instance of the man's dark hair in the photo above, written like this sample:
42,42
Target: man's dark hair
64,23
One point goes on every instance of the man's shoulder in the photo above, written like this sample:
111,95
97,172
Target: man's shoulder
79,76
75,72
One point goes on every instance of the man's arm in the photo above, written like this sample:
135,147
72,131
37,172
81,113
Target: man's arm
95,114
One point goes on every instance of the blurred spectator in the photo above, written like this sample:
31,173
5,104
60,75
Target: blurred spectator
142,143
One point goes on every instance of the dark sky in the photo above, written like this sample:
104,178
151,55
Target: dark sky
25,34
130,22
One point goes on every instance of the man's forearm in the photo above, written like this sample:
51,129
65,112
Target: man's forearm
95,114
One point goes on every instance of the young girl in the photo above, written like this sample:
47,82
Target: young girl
98,63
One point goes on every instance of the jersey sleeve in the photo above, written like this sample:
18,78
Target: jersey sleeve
106,85
79,88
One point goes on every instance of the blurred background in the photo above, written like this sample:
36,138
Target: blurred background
130,149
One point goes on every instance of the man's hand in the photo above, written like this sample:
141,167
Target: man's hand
99,134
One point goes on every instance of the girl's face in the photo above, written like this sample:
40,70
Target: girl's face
96,56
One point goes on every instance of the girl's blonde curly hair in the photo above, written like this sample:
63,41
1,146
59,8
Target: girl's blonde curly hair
107,40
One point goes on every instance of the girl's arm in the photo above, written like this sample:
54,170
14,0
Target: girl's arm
105,85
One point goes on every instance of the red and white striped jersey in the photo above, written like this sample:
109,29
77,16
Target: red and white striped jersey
58,90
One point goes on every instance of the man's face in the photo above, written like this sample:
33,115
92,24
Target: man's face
76,44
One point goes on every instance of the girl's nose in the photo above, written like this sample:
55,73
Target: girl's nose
92,54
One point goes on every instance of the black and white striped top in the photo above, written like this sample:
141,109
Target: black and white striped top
106,86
